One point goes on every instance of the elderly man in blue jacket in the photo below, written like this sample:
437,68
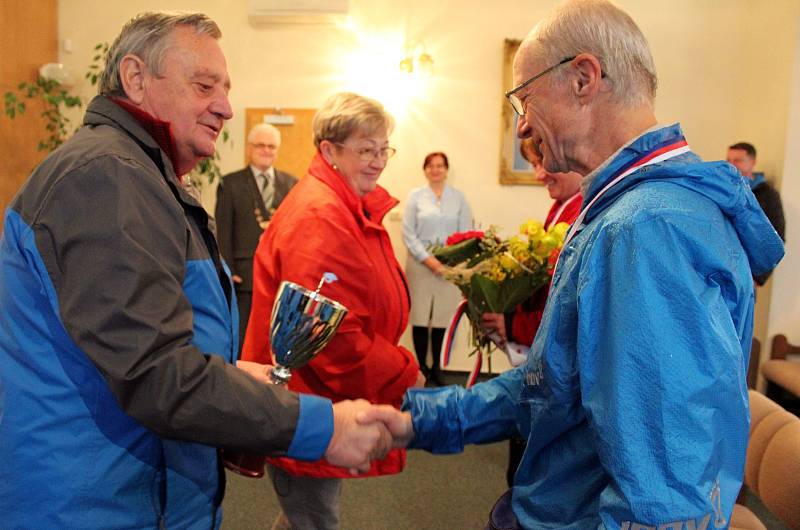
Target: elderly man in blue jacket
633,399
117,317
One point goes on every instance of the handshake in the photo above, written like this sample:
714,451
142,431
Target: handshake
363,432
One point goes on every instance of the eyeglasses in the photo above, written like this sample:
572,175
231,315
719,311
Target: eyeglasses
264,146
368,154
516,102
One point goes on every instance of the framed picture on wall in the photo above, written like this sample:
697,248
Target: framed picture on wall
513,168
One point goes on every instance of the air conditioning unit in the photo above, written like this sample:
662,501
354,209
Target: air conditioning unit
297,11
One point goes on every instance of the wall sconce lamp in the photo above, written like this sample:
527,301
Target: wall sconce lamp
418,60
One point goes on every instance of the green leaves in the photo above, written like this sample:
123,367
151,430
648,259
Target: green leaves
55,98
98,61
455,254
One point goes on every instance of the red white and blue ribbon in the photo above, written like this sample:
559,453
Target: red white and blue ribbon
657,155
447,345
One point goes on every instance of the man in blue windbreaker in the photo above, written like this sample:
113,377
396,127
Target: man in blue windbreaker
117,318
633,398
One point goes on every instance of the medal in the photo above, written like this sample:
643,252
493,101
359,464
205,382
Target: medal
263,223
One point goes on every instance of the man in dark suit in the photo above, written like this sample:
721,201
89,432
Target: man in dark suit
246,200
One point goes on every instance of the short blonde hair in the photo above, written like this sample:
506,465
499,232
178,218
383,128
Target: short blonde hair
346,113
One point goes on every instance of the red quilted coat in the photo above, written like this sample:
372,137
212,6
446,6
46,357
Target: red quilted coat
323,226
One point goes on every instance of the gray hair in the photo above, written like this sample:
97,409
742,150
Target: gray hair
346,113
263,128
602,29
147,36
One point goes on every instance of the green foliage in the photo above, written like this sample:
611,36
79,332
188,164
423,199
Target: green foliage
54,96
209,167
56,99
455,254
93,74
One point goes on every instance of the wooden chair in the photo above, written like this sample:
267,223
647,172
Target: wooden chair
782,375
772,469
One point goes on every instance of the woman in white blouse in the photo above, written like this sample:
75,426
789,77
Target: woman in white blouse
432,213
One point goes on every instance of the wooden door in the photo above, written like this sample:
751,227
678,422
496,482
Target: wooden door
28,39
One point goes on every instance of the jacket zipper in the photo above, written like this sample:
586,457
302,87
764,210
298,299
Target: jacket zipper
393,267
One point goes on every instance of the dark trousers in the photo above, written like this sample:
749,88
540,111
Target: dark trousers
420,336
502,516
516,448
244,300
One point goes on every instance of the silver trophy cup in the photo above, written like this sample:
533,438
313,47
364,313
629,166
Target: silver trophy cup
303,322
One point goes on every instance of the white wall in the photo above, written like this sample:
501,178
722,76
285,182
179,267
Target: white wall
725,70
785,307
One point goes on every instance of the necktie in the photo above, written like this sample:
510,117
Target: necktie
266,191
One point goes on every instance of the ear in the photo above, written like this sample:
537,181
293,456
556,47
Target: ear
326,148
132,72
590,76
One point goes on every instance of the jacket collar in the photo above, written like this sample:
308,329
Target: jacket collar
368,210
719,182
757,180
104,111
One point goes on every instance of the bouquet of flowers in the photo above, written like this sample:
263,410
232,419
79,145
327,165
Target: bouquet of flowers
495,275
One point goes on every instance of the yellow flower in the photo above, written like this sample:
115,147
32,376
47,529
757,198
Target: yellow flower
559,231
496,272
533,229
509,264
546,245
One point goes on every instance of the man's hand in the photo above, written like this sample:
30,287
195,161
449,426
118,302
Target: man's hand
355,443
420,382
257,370
398,423
495,323
236,278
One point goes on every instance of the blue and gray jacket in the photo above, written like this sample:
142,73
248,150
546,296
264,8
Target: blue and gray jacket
633,399
117,330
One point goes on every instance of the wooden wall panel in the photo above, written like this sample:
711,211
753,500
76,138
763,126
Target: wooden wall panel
28,39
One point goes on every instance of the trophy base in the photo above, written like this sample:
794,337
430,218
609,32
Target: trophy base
245,464
280,375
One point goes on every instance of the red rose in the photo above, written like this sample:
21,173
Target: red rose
458,237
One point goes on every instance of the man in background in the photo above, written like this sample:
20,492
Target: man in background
116,326
246,200
743,156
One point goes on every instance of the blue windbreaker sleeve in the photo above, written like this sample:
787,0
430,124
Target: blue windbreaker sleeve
663,313
314,428
446,419
415,247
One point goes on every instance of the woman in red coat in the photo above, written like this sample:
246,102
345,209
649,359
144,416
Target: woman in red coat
331,221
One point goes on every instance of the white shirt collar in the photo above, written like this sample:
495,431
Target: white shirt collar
270,172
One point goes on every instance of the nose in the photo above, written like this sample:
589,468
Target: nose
523,129
221,106
379,162
540,172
